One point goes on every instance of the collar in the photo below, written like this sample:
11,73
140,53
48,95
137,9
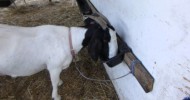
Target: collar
70,43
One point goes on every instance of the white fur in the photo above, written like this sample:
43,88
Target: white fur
25,51
113,46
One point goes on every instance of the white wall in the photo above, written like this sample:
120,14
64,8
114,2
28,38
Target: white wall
158,31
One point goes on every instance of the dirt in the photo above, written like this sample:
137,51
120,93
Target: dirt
38,86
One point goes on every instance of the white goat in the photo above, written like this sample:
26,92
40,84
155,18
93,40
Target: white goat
27,50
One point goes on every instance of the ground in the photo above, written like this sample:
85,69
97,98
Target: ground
38,86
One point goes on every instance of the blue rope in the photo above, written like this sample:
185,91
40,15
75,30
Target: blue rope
133,63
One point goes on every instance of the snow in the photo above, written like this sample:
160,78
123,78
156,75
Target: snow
159,34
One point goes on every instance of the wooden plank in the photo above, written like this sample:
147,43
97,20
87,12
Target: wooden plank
142,75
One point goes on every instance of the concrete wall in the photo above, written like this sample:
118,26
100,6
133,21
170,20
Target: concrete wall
158,31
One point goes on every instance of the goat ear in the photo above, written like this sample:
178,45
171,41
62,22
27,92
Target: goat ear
107,36
88,36
94,49
105,52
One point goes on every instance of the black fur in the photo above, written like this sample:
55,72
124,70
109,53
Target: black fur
84,7
97,41
187,98
106,40
92,28
5,3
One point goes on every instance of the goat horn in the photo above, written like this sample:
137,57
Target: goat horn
99,20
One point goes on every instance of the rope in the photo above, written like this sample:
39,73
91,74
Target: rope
133,63
92,79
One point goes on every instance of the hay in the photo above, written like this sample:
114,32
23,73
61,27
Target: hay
38,86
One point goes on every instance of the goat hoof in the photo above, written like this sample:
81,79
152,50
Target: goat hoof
60,83
57,98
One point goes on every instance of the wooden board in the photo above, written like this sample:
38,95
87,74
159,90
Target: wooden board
142,75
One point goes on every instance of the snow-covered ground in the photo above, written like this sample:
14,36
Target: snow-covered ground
159,34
